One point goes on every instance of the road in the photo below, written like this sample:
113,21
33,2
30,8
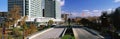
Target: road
80,33
51,34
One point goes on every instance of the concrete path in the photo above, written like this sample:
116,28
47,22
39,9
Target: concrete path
80,33
51,34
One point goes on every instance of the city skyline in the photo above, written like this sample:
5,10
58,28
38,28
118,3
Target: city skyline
88,7
59,19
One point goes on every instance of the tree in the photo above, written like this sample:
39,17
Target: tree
84,21
69,21
12,18
14,14
22,22
50,22
77,20
27,32
104,20
17,32
115,18
33,28
7,24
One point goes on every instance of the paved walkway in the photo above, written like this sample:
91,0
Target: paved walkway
80,33
51,34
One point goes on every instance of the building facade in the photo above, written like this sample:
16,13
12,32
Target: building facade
35,8
58,10
31,8
52,9
3,14
20,3
49,8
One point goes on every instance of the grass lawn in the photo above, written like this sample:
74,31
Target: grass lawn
68,37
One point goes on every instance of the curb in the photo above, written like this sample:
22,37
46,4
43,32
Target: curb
63,33
75,33
38,33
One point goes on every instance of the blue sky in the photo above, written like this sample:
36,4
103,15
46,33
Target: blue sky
3,5
89,7
80,6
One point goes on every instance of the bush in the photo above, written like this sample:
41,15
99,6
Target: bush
17,32
68,37
33,28
50,22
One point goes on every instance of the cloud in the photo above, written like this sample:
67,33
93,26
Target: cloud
87,13
110,10
62,2
85,10
65,12
96,11
116,0
73,14
84,13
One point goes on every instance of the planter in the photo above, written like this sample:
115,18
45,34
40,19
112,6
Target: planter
68,34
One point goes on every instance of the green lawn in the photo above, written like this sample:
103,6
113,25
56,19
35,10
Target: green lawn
68,37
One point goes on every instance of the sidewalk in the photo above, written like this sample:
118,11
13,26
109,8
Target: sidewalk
38,33
94,32
52,33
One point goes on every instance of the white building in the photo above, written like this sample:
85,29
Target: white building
34,9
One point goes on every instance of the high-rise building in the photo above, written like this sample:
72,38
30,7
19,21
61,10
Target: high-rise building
35,8
58,9
52,9
31,8
20,3
49,8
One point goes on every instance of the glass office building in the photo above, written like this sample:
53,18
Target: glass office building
52,9
31,8
20,3
49,8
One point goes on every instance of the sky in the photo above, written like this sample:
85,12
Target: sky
80,7
89,7
3,6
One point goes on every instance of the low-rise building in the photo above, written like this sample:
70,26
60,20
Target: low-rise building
43,20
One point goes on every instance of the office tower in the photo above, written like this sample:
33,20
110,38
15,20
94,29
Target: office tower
35,8
52,9
31,8
20,3
58,9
